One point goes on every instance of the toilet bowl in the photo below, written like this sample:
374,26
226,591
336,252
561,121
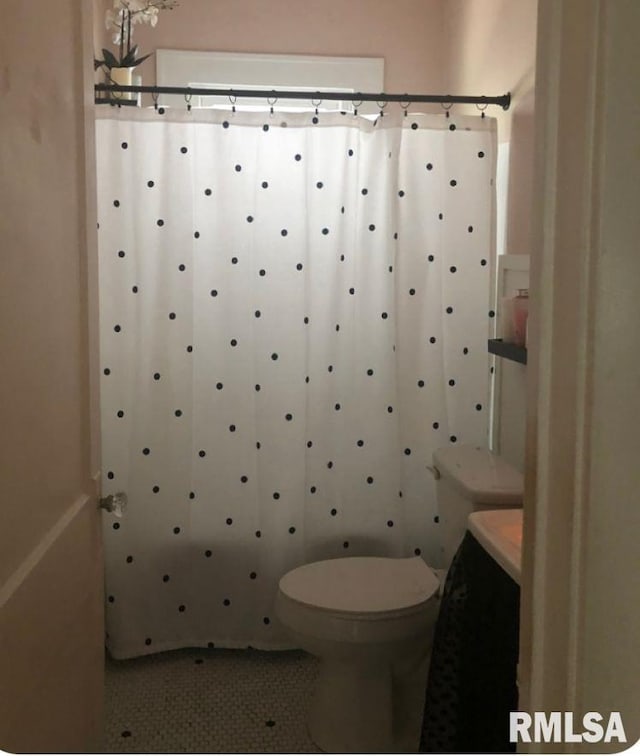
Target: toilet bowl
370,621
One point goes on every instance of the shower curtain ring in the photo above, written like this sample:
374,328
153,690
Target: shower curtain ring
405,107
272,101
356,105
447,107
382,105
233,99
154,97
481,107
187,99
316,105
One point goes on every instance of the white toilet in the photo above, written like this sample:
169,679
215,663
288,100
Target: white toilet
370,619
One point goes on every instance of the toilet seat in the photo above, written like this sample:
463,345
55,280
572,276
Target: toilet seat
367,588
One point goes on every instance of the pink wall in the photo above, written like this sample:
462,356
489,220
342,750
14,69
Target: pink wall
406,33
492,49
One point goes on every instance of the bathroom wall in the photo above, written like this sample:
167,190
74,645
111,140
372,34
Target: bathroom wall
407,33
491,49
51,623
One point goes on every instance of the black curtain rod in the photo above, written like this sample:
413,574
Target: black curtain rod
274,94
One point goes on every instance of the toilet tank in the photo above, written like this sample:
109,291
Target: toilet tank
470,479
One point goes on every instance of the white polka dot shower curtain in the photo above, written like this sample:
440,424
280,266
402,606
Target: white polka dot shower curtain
294,314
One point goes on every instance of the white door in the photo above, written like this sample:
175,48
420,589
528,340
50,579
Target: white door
580,609
51,603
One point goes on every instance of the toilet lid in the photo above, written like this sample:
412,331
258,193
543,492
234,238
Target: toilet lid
361,584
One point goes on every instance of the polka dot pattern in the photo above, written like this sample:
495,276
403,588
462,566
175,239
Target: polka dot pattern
299,320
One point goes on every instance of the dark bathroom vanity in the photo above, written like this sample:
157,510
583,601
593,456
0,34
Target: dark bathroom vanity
472,679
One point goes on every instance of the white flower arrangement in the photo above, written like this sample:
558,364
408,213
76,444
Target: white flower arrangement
121,20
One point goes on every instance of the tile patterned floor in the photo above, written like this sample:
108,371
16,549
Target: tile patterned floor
209,701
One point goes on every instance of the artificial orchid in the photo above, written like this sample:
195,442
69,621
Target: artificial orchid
121,20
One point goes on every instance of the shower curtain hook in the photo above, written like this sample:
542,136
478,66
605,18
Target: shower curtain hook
316,105
233,99
154,97
481,107
272,101
405,107
187,98
447,106
382,105
356,105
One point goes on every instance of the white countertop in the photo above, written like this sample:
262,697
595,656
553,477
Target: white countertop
499,532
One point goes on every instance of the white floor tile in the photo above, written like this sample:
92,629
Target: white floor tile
210,701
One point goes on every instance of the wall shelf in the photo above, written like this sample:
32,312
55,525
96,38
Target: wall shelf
508,351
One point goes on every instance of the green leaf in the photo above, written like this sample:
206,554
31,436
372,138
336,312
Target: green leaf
129,58
110,59
141,60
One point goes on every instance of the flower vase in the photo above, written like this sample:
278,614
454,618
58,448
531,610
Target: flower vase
123,77
136,80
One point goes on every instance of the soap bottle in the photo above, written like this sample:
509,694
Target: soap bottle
520,315
507,319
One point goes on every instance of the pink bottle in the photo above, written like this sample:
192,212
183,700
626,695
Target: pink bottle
520,315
